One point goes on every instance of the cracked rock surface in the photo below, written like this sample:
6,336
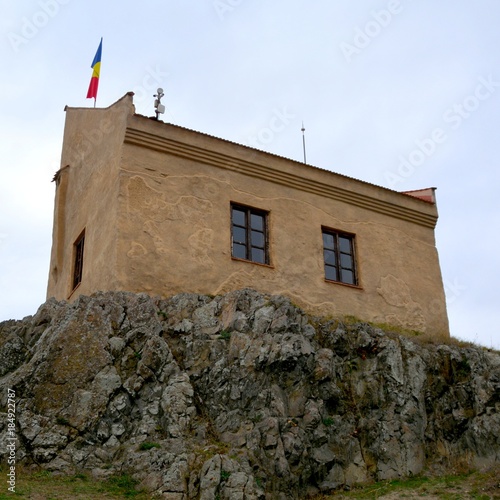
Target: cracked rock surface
240,396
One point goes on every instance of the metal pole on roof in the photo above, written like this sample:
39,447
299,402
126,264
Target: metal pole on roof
304,141
159,107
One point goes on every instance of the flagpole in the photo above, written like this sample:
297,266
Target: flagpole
303,141
95,99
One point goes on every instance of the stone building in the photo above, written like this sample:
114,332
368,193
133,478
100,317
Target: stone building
147,206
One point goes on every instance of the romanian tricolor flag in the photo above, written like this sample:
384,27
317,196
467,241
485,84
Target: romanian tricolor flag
96,67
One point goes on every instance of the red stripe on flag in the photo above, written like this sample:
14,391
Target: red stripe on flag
92,92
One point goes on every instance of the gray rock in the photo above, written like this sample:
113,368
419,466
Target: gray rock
240,396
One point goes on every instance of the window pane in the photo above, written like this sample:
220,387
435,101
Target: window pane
249,234
345,244
78,262
345,261
330,257
257,239
239,235
347,277
328,241
258,255
239,251
239,217
257,222
331,273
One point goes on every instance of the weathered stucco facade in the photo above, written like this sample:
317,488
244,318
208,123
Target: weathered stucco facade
153,202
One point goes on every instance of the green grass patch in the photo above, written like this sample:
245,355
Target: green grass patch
49,486
224,475
62,421
123,484
163,315
225,335
148,446
256,418
471,485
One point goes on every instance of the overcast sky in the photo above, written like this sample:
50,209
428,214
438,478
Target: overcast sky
404,94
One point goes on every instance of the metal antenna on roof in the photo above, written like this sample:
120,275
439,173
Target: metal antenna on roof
159,107
304,141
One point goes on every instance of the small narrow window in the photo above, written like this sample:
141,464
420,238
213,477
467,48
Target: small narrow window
249,234
78,261
339,258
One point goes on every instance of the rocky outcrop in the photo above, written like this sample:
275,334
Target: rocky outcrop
241,396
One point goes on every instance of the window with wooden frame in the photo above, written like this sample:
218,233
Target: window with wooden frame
339,257
78,260
249,234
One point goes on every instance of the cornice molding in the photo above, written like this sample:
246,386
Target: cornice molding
145,139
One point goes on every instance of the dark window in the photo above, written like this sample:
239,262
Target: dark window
338,252
249,234
78,262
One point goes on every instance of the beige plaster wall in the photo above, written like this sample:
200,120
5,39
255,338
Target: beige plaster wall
154,200
87,198
175,233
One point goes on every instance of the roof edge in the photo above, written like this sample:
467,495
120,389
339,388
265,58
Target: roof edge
274,155
128,96
426,194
